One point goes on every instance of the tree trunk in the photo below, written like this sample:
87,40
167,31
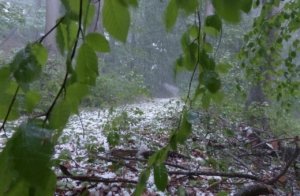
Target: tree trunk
209,9
256,93
96,25
38,5
52,13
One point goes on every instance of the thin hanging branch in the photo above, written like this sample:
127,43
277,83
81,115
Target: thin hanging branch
67,74
40,40
9,110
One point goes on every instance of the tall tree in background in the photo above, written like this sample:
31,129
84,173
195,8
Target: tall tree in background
96,24
262,78
209,9
52,13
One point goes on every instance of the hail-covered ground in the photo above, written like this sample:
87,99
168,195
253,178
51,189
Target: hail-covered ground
86,144
143,126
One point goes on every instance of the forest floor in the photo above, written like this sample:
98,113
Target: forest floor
99,153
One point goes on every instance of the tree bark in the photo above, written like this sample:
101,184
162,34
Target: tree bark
96,24
52,13
256,93
209,9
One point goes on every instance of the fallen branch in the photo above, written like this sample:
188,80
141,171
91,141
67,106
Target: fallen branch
114,161
145,160
240,161
289,163
214,184
96,179
204,173
67,174
273,140
255,190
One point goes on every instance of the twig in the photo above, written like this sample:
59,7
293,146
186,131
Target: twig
67,174
67,74
9,110
274,140
205,173
114,161
98,14
289,163
44,36
145,160
214,184
240,161
96,179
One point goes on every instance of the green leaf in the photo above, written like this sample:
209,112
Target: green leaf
194,31
86,65
19,57
161,177
66,34
60,36
246,38
189,6
73,10
131,2
171,14
223,67
211,81
205,100
25,66
210,31
208,47
246,5
181,191
276,3
88,15
256,4
173,140
24,162
116,19
163,154
40,53
31,99
228,132
185,41
214,21
218,97
206,61
12,88
228,9
185,129
75,92
278,97
97,42
191,56
6,100
192,116
152,159
4,78
71,34
113,139
143,178
60,115
222,193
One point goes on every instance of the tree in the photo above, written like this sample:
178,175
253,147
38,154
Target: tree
52,13
256,94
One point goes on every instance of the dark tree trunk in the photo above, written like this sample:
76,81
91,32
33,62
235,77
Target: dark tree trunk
257,94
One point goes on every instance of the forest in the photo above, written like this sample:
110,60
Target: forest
140,97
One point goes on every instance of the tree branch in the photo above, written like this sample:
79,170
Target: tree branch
204,173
